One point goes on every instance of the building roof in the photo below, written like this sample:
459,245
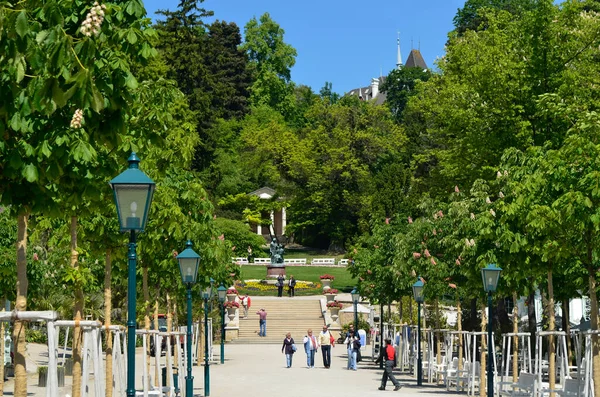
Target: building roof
415,60
263,193
366,94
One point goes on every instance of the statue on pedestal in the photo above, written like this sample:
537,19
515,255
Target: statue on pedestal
276,250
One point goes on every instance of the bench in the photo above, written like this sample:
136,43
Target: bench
571,388
343,262
323,261
525,386
295,261
240,261
262,261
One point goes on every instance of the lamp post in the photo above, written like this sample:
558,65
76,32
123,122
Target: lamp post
490,276
221,292
133,192
206,295
188,265
418,295
355,297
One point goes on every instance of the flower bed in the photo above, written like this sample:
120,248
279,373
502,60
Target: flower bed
334,305
262,285
230,305
327,277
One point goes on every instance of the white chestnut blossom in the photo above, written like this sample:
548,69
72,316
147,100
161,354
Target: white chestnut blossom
77,118
93,20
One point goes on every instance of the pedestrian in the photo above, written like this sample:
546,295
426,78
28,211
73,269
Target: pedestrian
289,348
250,257
279,284
245,304
291,285
351,343
311,345
262,322
389,355
326,341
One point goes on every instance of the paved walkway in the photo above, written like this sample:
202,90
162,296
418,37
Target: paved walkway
260,371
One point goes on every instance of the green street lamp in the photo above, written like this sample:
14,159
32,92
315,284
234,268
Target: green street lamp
206,295
222,292
188,265
133,192
418,295
490,276
355,297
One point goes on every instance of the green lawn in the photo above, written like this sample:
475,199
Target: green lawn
343,280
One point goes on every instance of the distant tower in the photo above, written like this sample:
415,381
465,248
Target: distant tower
399,59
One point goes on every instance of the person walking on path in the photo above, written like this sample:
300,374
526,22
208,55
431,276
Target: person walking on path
245,303
311,345
326,341
289,349
351,343
262,322
389,355
280,281
291,286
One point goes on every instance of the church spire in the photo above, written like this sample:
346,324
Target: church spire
399,59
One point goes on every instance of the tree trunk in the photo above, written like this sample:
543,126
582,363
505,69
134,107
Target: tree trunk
21,305
460,336
77,313
567,326
473,314
484,347
146,293
438,339
552,338
400,309
515,352
107,318
531,318
594,324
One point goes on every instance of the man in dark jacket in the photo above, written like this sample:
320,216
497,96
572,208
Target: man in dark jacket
389,355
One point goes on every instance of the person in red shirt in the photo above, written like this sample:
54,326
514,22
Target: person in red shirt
389,355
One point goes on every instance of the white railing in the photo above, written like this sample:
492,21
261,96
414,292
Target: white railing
262,261
240,261
295,261
323,261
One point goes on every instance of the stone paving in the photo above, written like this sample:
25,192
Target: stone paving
260,371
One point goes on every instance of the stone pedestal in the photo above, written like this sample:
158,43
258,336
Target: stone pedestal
335,315
231,297
330,297
274,271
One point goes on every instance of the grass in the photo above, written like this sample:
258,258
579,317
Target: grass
343,281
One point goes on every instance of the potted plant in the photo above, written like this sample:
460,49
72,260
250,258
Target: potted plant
334,307
231,307
232,293
326,279
330,294
42,376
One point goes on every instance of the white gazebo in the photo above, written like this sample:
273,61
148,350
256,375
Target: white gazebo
278,218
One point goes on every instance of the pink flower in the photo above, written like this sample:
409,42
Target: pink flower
409,219
501,195
387,221
355,251
440,214
175,254
416,255
215,216
376,246
451,285
35,256
457,262
472,216
222,237
434,232
369,272
456,189
233,248
432,261
361,279
427,254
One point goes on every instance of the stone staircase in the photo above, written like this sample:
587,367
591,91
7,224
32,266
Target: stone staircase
284,315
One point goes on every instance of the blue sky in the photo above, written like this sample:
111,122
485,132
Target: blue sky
344,42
